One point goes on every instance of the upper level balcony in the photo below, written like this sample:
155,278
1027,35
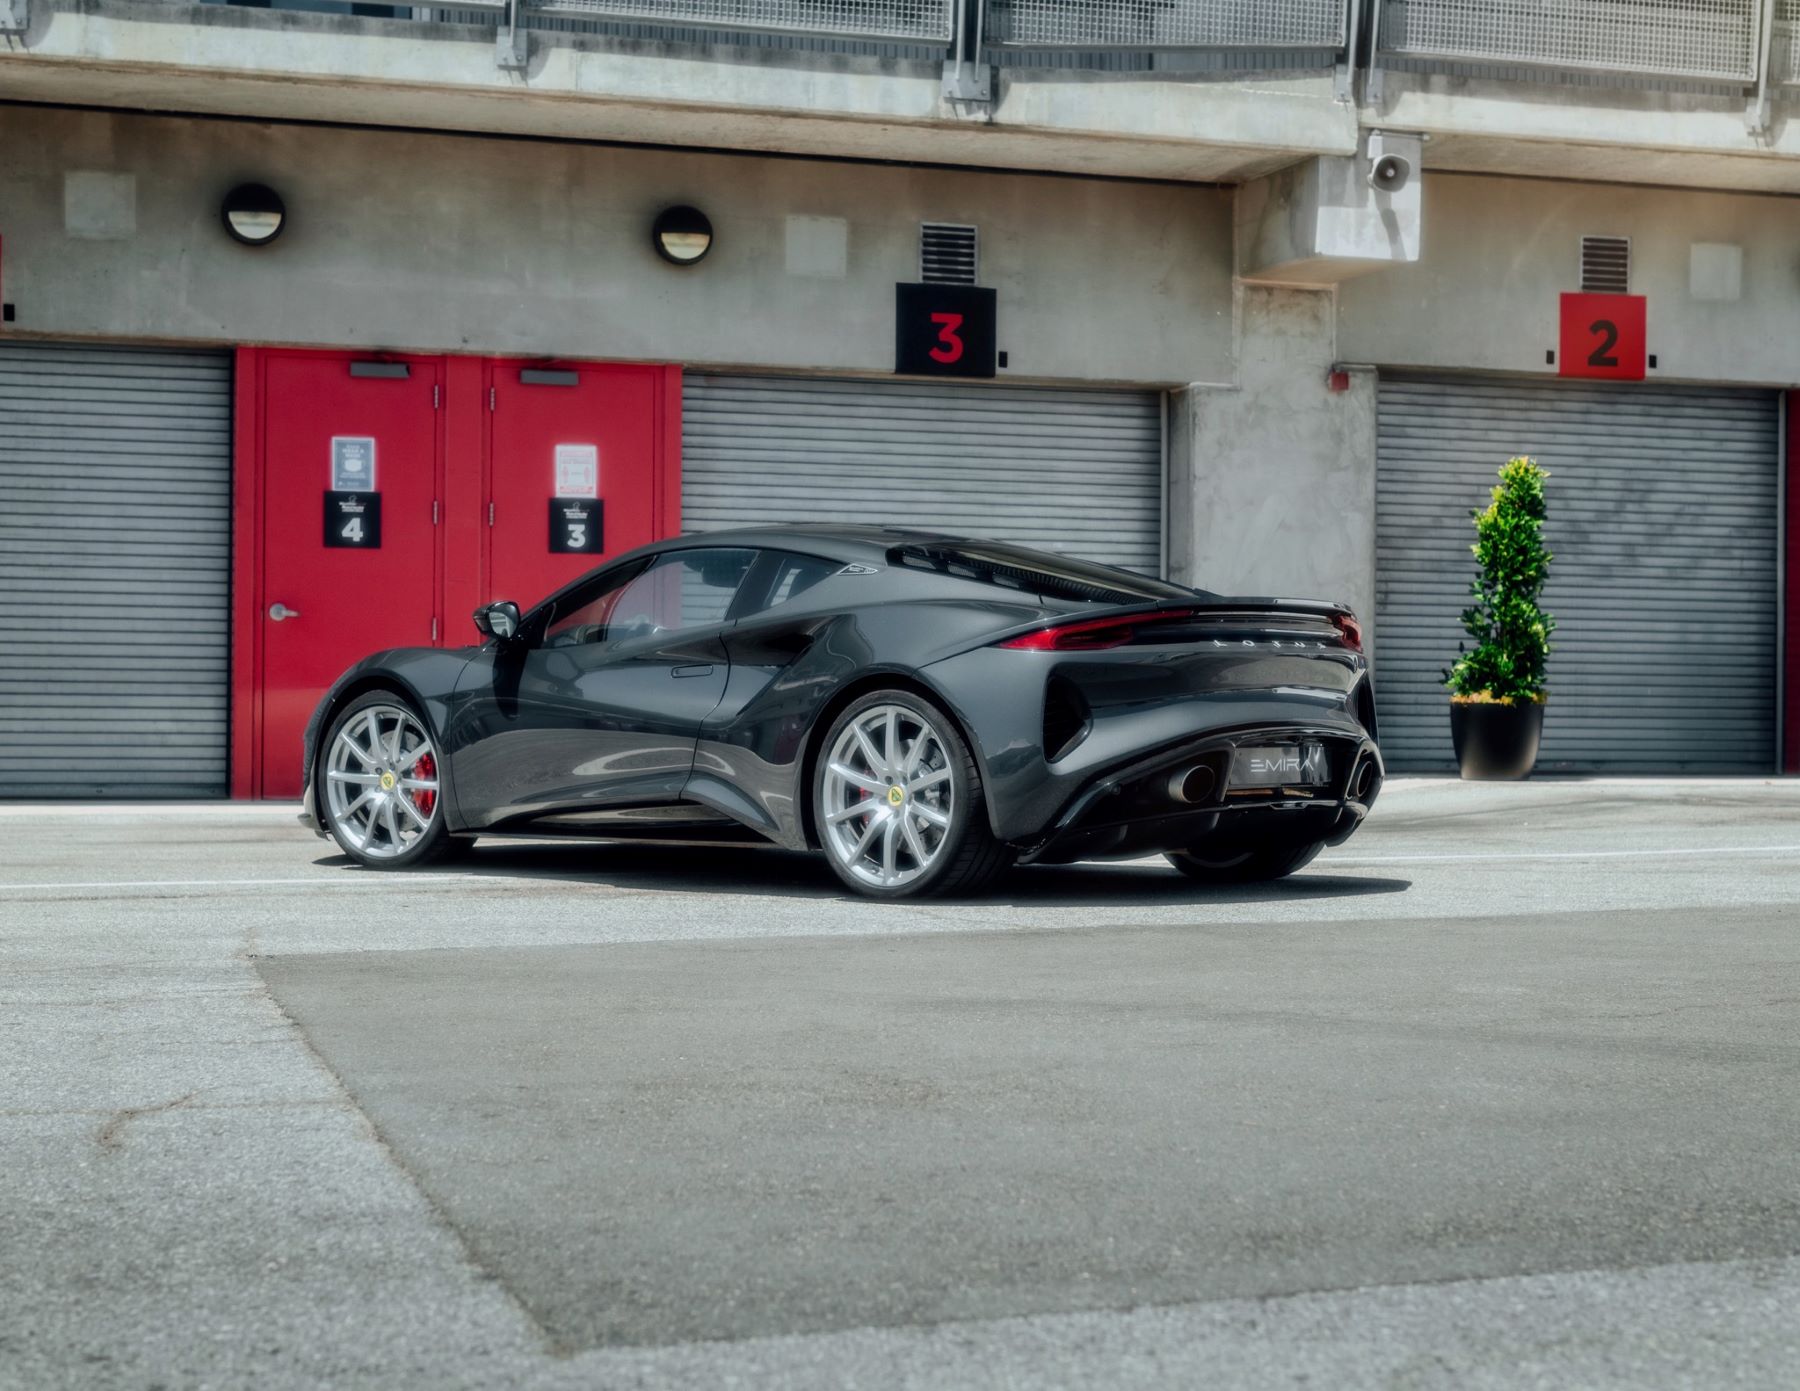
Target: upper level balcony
1696,92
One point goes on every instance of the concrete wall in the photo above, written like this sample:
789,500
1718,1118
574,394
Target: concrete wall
454,243
1272,480
1498,251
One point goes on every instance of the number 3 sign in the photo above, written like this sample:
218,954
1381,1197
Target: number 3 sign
576,526
1602,336
944,330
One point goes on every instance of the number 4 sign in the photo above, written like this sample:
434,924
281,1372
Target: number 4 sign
353,521
1602,336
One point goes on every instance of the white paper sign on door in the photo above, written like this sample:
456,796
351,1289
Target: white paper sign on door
577,470
352,464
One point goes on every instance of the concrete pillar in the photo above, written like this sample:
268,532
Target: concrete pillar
1272,478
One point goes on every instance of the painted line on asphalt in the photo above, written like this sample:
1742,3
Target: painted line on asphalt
358,881
440,880
38,810
1559,855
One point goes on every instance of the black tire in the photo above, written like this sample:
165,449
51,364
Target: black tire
969,858
434,843
1245,867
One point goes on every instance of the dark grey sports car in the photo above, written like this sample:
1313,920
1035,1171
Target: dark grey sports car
927,710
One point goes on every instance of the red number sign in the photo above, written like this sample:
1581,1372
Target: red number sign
950,344
1602,336
944,330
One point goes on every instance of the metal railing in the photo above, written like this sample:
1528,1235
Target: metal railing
1784,61
1705,40
1748,45
1168,24
898,21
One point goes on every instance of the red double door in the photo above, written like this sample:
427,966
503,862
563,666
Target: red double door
380,500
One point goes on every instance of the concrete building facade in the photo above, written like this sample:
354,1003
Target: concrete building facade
1226,348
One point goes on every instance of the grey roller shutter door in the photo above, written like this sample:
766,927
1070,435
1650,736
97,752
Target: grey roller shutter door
1079,472
115,568
1663,526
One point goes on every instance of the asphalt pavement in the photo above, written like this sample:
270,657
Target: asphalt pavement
1501,1093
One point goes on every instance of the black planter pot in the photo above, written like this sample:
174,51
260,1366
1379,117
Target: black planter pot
1496,741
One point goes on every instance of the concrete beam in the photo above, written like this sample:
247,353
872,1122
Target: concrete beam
1607,134
212,59
1323,221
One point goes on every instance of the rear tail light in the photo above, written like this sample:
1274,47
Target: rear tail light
1088,635
1098,634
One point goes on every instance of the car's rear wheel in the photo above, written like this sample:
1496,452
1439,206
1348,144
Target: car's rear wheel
378,785
1245,866
898,802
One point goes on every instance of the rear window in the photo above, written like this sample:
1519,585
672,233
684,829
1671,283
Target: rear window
1035,572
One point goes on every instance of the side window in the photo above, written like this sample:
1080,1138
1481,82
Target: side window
684,589
581,616
792,576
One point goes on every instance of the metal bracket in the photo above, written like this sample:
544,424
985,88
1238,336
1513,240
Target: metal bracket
968,82
512,41
1343,86
1756,114
15,16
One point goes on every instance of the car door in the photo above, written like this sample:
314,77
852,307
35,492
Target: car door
598,703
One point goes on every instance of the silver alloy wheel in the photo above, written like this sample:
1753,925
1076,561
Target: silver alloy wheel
888,796
381,782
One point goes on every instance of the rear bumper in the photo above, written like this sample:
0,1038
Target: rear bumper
1132,810
1050,726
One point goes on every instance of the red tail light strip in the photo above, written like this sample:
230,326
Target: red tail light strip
1087,635
1098,634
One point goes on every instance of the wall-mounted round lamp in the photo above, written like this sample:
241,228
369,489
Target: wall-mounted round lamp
254,214
682,235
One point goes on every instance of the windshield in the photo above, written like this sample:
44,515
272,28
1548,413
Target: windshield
1039,572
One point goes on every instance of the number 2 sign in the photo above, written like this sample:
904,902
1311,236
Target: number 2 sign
944,330
1602,336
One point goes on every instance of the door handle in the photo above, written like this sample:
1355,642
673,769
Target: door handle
692,671
277,612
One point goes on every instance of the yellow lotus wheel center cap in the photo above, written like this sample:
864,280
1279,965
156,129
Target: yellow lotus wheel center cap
387,782
896,795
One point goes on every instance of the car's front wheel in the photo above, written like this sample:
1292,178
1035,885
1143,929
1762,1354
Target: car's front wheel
898,802
1244,866
378,778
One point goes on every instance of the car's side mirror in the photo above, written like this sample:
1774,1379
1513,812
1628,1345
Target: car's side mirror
499,620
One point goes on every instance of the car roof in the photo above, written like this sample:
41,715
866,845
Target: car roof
845,541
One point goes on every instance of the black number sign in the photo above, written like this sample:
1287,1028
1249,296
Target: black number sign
575,526
1608,332
353,520
944,330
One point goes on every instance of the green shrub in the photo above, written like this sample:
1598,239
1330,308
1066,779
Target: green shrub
1512,634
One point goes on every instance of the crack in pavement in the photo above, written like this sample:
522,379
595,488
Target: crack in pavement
111,1136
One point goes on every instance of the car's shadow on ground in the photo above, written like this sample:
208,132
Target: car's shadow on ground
785,874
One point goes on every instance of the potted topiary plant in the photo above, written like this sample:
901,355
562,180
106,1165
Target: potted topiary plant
1497,690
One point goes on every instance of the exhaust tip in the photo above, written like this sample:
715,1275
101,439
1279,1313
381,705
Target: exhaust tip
1191,785
1365,780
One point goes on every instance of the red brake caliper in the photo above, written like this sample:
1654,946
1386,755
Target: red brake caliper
425,770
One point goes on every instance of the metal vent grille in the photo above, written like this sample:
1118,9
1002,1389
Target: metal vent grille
1606,265
947,254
